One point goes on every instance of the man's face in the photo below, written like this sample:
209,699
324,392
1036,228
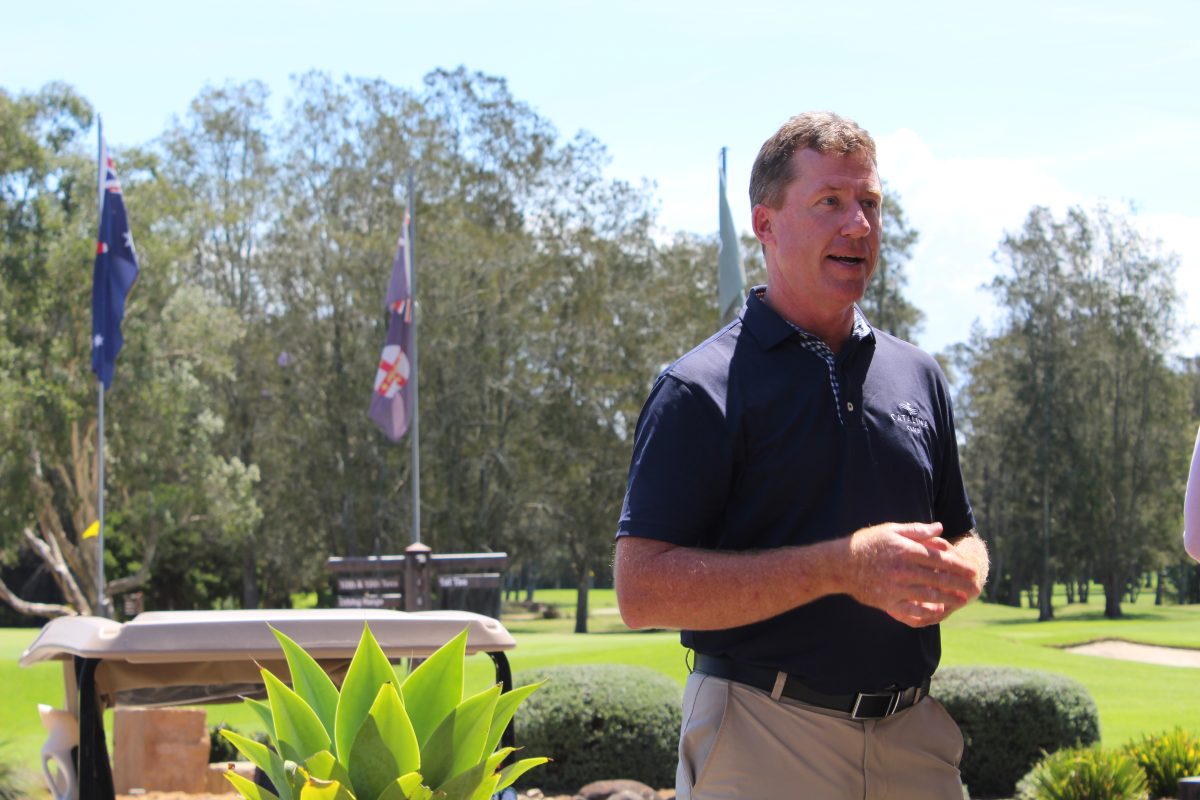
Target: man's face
822,243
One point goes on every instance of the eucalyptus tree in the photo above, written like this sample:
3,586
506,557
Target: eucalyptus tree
218,165
1070,408
164,477
884,302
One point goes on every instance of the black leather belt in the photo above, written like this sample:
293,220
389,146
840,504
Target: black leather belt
862,705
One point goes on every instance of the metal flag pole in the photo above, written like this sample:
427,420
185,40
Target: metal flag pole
101,606
410,236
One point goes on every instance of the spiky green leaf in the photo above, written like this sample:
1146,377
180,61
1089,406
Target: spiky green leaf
262,757
263,712
509,774
407,787
317,789
465,784
458,742
249,789
298,729
385,747
495,759
506,706
369,670
326,767
435,687
310,682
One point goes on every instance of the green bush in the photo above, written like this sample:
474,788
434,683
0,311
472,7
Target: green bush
1089,773
601,721
1165,758
1010,718
15,782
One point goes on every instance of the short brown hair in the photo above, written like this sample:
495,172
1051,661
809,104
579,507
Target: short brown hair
822,131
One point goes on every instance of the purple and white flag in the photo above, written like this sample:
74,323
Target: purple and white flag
391,401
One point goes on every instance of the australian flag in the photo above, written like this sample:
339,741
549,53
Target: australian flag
391,401
114,273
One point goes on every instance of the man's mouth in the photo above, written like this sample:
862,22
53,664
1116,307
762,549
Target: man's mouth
848,260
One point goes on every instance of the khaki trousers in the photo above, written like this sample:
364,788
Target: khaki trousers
738,743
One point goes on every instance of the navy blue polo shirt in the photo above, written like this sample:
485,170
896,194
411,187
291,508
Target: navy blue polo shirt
740,447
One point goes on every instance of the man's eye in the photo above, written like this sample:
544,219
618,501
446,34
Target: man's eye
871,204
829,201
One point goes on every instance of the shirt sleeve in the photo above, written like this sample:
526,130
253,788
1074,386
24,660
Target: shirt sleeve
1191,506
952,508
681,469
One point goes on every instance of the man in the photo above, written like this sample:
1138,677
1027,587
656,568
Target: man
795,506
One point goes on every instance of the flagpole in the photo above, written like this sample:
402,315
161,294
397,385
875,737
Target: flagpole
101,606
414,372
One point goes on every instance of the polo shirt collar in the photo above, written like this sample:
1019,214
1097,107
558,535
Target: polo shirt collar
769,329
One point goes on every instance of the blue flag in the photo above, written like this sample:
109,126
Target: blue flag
114,272
391,401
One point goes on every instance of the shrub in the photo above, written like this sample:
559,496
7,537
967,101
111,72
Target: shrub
601,721
1010,718
379,738
1165,758
15,782
1089,773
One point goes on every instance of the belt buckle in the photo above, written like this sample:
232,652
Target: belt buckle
893,701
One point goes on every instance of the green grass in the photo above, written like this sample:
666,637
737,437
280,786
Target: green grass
1133,698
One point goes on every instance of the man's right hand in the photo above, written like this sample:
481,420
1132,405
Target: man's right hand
909,571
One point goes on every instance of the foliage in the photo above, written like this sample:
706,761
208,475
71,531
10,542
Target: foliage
14,781
379,738
1009,716
604,721
1072,413
884,303
165,477
1089,773
221,749
1165,758
238,453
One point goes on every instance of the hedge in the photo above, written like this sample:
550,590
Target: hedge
600,722
1009,717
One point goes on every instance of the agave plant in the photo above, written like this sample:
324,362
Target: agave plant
380,739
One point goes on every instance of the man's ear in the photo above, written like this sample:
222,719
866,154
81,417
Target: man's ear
762,217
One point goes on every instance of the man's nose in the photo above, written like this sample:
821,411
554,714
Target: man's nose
857,224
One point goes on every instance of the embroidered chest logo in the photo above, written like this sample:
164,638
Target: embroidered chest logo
909,417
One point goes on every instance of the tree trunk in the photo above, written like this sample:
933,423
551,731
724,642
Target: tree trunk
1085,587
1046,588
583,584
1069,585
529,575
1113,589
1158,588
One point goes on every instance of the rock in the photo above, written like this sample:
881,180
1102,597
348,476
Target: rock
616,790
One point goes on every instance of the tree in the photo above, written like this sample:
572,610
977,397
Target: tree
884,302
1070,405
162,475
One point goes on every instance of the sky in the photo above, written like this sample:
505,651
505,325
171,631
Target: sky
980,110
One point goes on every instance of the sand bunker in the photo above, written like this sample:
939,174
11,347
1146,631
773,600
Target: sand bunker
1146,653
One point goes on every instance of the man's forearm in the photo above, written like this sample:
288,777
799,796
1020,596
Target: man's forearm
664,586
904,569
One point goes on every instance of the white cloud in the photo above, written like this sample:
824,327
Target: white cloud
963,206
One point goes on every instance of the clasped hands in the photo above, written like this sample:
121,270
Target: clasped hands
909,571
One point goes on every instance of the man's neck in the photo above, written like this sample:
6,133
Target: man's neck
834,330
